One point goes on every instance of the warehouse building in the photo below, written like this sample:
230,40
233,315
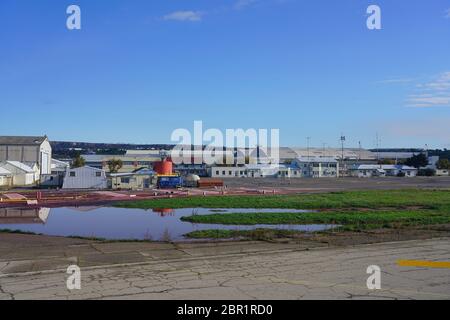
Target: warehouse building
22,175
85,178
317,167
5,178
256,171
138,180
368,171
34,150
130,162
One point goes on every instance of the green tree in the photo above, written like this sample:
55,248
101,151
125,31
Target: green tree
386,161
115,165
417,161
443,164
78,161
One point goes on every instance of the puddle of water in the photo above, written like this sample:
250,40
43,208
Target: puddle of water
119,223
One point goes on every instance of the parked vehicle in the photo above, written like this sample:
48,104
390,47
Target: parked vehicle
170,182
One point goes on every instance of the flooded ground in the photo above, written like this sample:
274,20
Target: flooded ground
121,224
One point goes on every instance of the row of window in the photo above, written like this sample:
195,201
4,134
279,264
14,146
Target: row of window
323,165
74,174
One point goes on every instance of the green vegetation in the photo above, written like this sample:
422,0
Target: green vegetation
417,161
258,234
443,164
78,162
376,199
18,232
356,220
114,165
353,211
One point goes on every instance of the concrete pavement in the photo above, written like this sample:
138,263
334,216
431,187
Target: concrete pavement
234,270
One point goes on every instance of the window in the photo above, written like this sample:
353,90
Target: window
230,173
98,174
72,174
223,172
217,172
125,180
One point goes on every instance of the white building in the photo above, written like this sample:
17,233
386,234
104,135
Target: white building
27,150
5,178
22,175
317,167
85,178
58,166
382,170
138,180
56,178
256,171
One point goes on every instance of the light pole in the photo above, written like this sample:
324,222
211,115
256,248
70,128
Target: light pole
308,139
342,155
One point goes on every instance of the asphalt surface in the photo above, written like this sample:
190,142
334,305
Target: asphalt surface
342,184
234,270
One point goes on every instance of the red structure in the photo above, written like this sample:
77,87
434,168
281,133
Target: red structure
164,168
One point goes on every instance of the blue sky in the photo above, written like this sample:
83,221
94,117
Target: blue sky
139,69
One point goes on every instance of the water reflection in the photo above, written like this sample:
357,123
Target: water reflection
24,215
119,223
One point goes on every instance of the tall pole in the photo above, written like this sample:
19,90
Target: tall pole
342,150
378,147
307,145
360,150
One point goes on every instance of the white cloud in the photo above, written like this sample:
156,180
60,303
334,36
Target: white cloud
447,13
242,4
435,93
396,80
190,16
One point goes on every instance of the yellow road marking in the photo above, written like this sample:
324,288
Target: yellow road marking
424,264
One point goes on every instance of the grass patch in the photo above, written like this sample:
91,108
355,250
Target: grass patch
353,210
19,232
257,234
372,199
349,220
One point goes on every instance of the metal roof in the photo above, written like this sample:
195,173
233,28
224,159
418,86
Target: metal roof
382,167
316,159
21,141
4,172
20,166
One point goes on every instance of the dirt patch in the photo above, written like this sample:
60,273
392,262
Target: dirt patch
376,236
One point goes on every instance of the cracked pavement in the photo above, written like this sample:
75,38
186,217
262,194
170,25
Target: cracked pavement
229,270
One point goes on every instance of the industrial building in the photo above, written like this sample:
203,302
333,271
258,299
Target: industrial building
299,168
5,178
317,167
368,171
22,174
85,178
28,150
138,180
130,162
56,178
